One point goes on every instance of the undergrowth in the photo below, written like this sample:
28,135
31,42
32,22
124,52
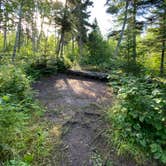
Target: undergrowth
24,137
138,117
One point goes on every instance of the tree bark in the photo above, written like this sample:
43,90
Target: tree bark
34,30
33,36
134,31
123,28
40,34
17,32
163,45
73,46
80,44
162,58
1,17
60,44
5,32
59,50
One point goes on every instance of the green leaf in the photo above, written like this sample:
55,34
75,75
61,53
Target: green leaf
29,158
154,147
6,98
163,158
157,155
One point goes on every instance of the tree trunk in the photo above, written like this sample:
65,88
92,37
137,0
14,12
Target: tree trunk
33,37
40,35
17,32
1,17
34,30
163,45
123,28
5,32
80,44
60,45
19,40
162,58
73,46
59,50
134,31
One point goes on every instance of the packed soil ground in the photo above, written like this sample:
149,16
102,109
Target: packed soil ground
77,105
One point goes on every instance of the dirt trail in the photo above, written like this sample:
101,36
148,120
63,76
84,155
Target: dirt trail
75,103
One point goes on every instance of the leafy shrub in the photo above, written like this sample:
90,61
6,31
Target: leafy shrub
63,64
40,66
43,66
14,81
99,50
139,117
12,124
23,139
16,163
133,68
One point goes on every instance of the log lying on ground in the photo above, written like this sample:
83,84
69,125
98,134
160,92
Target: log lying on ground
89,74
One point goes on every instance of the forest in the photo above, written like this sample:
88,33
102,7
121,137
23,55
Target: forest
52,116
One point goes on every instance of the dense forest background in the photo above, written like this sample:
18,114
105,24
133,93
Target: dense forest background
43,37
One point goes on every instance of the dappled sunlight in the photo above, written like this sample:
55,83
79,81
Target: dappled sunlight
56,131
70,93
81,88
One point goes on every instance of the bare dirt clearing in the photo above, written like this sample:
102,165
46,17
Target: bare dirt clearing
77,104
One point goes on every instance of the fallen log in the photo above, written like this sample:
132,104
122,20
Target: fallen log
89,74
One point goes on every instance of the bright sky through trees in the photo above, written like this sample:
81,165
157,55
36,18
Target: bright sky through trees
98,11
105,20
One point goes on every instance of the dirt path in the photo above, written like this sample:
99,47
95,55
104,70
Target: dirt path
75,103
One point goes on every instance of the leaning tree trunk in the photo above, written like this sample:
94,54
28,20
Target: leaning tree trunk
123,28
18,31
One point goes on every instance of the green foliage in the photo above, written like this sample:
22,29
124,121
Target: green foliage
23,139
63,64
40,66
100,51
12,124
133,68
14,81
139,117
148,51
16,163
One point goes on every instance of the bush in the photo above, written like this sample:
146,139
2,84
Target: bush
12,124
14,81
139,117
63,64
133,68
23,139
39,67
42,66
